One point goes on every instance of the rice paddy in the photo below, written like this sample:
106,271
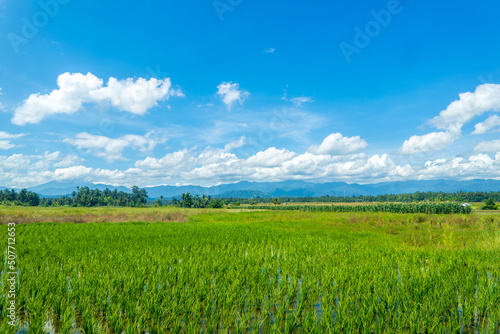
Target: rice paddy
225,271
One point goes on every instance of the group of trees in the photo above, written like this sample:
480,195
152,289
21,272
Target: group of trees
22,197
189,201
94,197
81,197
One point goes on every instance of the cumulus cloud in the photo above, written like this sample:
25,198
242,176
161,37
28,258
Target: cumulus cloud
170,164
433,141
76,89
485,98
111,149
136,97
338,144
213,155
271,157
476,166
469,105
230,93
487,125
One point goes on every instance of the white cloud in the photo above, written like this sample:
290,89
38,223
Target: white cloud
338,144
230,93
19,170
111,149
271,157
74,172
5,143
170,161
212,155
215,165
136,97
76,89
236,144
433,141
298,101
169,166
488,146
485,98
270,50
470,105
487,125
474,167
6,135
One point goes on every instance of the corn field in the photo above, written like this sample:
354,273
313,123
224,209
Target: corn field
428,208
241,273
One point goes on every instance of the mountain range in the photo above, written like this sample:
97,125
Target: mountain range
247,189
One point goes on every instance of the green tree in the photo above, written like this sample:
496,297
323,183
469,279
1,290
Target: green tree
276,201
33,199
186,200
489,204
216,203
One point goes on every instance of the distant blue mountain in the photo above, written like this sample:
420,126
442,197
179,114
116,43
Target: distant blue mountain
294,188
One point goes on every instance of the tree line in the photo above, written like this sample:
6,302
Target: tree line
83,196
23,197
189,201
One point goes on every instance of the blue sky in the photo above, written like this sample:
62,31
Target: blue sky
208,92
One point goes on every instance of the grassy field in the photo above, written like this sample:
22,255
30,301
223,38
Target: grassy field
162,270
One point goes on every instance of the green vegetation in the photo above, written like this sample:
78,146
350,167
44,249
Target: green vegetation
489,205
258,271
276,201
83,196
23,197
460,196
190,201
439,208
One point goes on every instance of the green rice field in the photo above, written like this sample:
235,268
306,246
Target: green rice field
165,270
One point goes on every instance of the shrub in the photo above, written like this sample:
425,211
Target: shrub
489,204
